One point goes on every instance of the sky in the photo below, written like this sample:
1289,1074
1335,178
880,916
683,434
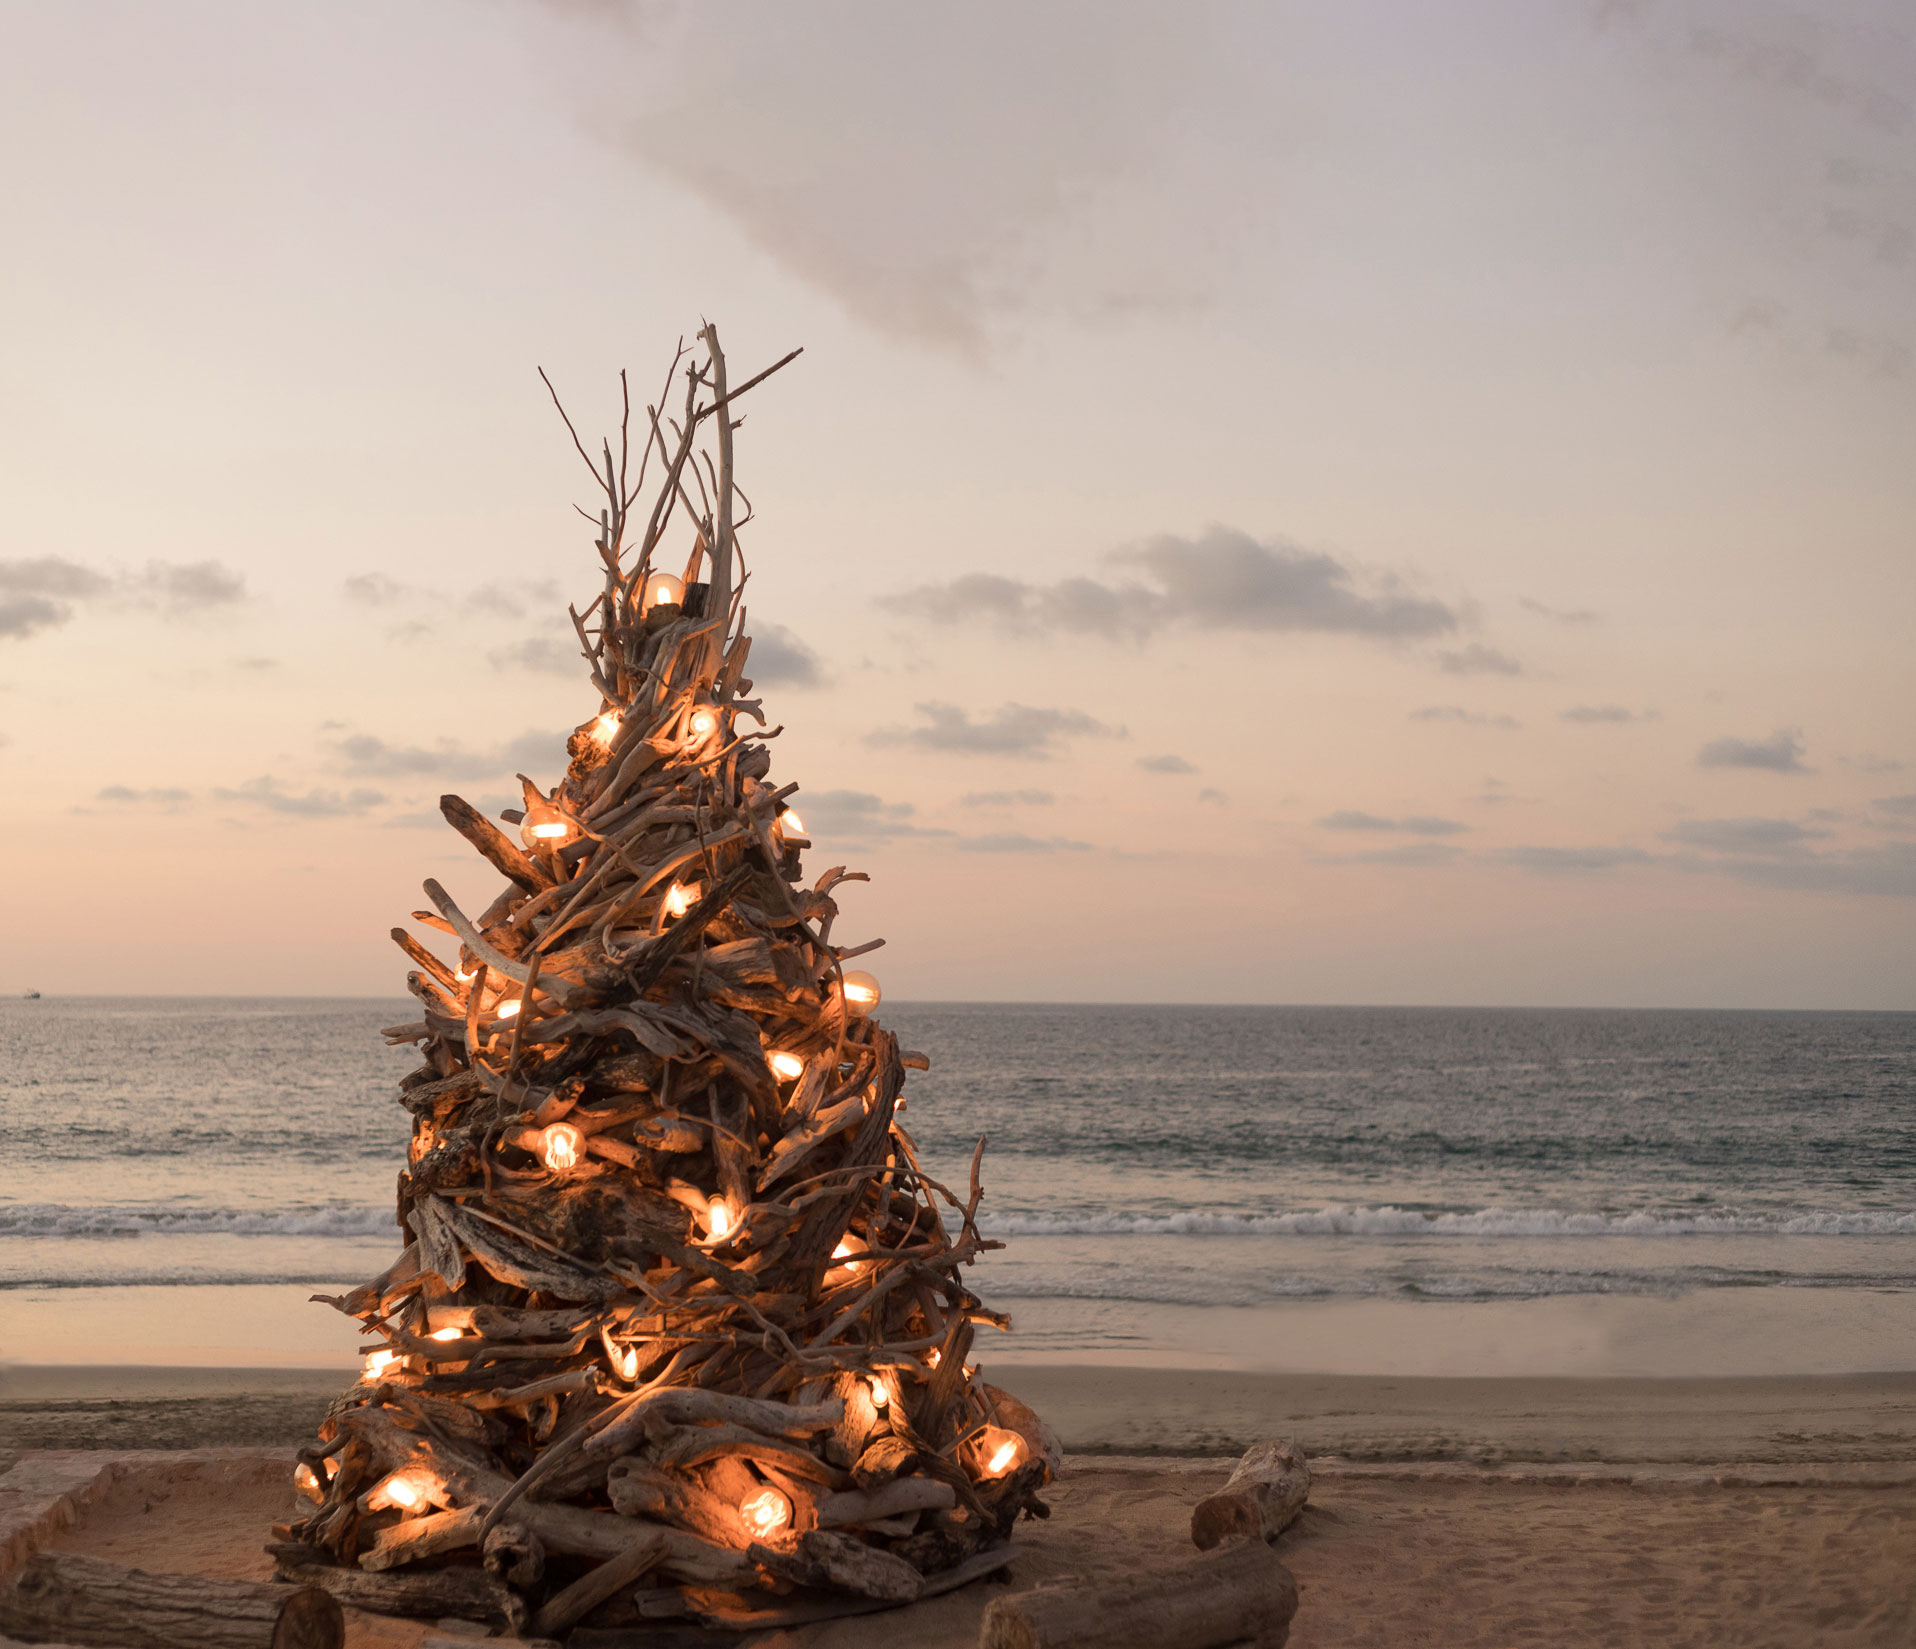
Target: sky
1339,502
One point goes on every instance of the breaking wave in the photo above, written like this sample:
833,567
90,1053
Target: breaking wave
1391,1221
149,1220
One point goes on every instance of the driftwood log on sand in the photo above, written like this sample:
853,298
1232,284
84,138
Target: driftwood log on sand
1238,1594
1263,1496
61,1597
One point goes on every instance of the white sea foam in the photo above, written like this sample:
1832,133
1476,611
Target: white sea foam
1390,1221
44,1220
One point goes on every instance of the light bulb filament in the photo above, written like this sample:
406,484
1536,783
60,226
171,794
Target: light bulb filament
766,1511
561,1146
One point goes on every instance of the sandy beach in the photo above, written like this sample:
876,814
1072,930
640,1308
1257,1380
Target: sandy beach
1406,1555
1443,1512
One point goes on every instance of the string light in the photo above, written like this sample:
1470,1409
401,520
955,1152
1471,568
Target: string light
933,1357
719,1220
861,992
787,1067
606,728
791,823
625,1362
306,1480
701,725
881,1393
465,978
765,1512
1002,1450
508,1007
681,897
406,1490
661,590
561,1146
447,1334
544,824
1002,1457
848,1250
378,1362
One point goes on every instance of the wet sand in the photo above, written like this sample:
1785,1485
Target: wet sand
1100,1410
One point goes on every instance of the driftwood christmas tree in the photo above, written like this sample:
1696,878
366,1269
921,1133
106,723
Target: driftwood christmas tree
679,1327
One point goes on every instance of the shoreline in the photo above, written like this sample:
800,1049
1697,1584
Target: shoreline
1107,1410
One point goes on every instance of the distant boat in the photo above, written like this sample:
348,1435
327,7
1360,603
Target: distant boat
30,996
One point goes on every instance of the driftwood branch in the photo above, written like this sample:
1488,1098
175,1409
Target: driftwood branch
1239,1594
62,1597
1265,1493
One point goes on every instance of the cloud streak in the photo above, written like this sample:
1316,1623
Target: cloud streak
1032,732
1415,824
857,153
1478,660
1570,861
1007,798
1012,842
1596,715
268,793
859,815
41,592
1222,580
1464,718
1781,752
779,659
1768,836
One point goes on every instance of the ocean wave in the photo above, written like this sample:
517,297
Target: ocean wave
43,1220
1392,1221
180,1279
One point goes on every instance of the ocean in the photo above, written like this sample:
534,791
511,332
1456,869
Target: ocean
1360,1189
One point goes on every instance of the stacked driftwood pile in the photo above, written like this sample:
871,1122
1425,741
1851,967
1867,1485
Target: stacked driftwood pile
679,1328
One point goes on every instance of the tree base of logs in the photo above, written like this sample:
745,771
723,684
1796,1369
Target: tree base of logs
679,1330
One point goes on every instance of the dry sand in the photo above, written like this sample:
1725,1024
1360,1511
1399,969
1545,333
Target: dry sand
1409,1539
1385,1556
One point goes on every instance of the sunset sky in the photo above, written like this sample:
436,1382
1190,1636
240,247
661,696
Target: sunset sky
1334,502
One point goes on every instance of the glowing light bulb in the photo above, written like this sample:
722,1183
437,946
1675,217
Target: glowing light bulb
787,1067
509,1007
848,1250
765,1512
681,897
933,1357
661,590
447,1334
881,1394
378,1362
791,823
1004,1456
701,726
606,728
400,1491
561,1146
861,992
306,1480
465,978
719,1219
551,830
625,1361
